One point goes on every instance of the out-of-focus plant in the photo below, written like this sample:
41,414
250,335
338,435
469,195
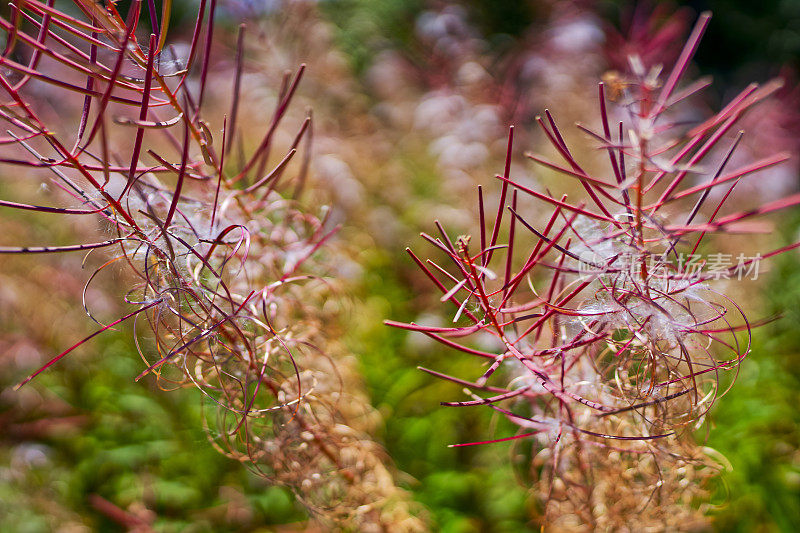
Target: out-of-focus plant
653,33
230,293
605,334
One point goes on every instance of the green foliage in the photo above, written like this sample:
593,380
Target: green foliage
757,424
467,489
137,445
751,39
364,27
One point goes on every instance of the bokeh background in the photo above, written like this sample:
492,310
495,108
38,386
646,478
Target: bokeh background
413,99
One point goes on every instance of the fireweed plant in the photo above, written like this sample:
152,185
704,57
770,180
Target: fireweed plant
602,341
229,293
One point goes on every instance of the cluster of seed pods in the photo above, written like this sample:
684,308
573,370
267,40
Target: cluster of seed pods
596,330
227,293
